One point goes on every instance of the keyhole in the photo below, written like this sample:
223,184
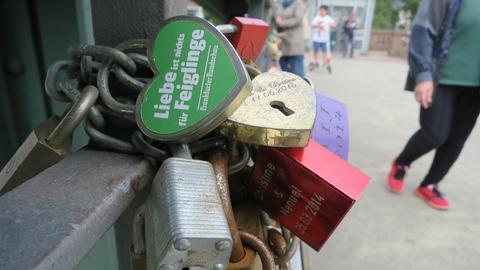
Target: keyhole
281,107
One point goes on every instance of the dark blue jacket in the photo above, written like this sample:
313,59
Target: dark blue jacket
431,36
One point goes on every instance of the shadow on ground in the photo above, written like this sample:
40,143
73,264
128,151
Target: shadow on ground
390,231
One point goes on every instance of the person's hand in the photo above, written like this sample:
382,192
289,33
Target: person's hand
278,40
424,93
279,21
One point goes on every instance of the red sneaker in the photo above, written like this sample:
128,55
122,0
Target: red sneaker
395,177
433,197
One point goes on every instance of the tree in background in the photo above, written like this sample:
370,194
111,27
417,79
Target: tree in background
411,5
384,15
387,12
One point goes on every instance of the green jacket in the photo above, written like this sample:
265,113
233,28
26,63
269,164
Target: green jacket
430,39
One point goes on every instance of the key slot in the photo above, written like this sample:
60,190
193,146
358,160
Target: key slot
279,105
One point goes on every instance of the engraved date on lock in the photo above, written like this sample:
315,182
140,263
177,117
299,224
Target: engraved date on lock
270,90
309,213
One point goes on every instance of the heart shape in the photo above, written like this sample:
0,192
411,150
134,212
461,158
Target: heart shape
280,112
199,82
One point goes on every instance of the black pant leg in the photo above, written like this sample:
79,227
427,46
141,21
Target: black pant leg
467,109
352,46
435,123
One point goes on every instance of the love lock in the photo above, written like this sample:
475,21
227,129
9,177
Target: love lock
200,81
308,190
247,35
279,112
185,225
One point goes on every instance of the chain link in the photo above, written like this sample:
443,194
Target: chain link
120,74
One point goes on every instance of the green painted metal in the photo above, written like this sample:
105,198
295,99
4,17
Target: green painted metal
35,33
85,23
8,138
103,255
39,33
55,39
23,102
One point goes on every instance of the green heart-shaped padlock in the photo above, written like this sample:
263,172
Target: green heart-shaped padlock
199,81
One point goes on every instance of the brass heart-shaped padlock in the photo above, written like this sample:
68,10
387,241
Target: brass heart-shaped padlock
279,112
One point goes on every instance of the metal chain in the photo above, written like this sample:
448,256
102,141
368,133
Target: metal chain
120,74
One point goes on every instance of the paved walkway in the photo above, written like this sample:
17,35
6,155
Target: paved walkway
384,230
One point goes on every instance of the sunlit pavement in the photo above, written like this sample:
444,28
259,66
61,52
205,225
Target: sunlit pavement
385,230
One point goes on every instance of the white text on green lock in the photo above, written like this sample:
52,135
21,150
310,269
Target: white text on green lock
190,77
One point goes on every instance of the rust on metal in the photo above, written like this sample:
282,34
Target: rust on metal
219,160
247,262
277,242
268,261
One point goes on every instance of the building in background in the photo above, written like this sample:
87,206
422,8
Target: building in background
339,10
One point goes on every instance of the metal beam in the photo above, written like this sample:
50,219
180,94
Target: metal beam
115,21
55,218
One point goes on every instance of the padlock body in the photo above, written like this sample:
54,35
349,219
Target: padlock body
200,81
249,38
33,156
184,204
331,126
279,112
308,190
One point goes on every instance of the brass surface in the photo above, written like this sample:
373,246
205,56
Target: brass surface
32,157
280,112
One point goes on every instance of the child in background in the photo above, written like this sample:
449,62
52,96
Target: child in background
321,25
348,35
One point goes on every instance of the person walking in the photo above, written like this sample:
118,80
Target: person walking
321,25
289,21
444,61
348,35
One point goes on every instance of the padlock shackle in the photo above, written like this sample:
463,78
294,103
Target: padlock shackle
219,160
74,94
181,150
292,248
65,92
227,28
266,256
278,243
77,112
52,87
252,71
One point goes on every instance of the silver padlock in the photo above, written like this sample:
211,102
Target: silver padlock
185,224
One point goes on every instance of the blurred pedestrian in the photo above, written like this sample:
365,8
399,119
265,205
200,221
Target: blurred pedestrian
321,25
289,21
444,72
348,35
